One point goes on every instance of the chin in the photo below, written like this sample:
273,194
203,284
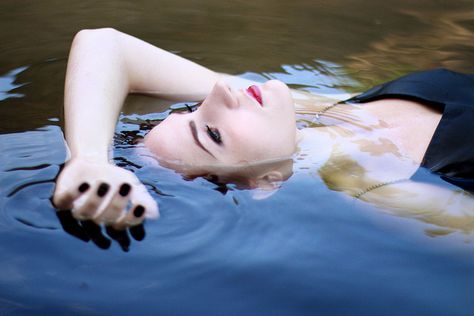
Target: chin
276,84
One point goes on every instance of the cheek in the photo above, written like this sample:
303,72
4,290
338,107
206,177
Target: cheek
164,139
157,141
280,134
172,142
266,142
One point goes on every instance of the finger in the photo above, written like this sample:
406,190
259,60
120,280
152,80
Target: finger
134,217
95,233
137,232
119,236
90,206
116,206
140,196
64,199
143,206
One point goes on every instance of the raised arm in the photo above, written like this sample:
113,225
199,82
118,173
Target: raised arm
104,66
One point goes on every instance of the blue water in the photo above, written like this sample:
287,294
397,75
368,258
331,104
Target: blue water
305,250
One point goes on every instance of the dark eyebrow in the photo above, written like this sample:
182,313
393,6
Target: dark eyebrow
192,125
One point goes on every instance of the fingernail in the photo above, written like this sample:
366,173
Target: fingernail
138,211
84,187
124,189
103,189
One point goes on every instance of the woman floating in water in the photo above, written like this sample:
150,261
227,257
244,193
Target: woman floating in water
371,146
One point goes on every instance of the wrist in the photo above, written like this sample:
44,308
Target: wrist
87,154
91,157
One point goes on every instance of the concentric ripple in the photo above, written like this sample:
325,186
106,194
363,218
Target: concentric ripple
30,164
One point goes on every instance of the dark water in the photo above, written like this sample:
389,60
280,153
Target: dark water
305,250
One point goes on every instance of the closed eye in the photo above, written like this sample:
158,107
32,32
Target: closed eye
214,134
194,133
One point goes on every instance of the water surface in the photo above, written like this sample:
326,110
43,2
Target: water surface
305,250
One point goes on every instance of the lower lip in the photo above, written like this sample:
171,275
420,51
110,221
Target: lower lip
255,93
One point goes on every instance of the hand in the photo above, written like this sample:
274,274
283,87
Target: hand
98,193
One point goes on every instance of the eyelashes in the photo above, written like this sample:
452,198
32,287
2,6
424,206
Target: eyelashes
214,134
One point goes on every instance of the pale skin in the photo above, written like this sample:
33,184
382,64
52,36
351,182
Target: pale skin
106,65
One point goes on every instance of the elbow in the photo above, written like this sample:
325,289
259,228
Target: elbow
99,51
90,42
101,34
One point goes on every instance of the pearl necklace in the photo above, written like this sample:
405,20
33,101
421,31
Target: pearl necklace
379,185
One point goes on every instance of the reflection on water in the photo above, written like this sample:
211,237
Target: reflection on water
7,84
447,42
317,76
305,250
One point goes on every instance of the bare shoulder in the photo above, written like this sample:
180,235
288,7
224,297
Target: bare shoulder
411,124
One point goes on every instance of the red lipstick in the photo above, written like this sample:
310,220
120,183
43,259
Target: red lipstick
255,93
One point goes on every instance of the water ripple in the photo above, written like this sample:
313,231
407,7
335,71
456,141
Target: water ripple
322,77
30,164
8,84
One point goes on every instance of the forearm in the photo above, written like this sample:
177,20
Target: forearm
96,86
104,66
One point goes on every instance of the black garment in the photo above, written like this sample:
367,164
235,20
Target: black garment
450,153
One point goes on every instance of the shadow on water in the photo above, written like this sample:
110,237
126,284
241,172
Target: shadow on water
305,250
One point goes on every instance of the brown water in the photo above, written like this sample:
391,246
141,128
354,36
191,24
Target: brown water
305,250
371,40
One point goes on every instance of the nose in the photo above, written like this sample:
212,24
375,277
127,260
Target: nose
222,95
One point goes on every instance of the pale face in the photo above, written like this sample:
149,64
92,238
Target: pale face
231,127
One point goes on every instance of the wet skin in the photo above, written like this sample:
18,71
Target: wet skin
231,127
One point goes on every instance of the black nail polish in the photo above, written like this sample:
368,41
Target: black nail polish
138,211
84,187
103,189
124,189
